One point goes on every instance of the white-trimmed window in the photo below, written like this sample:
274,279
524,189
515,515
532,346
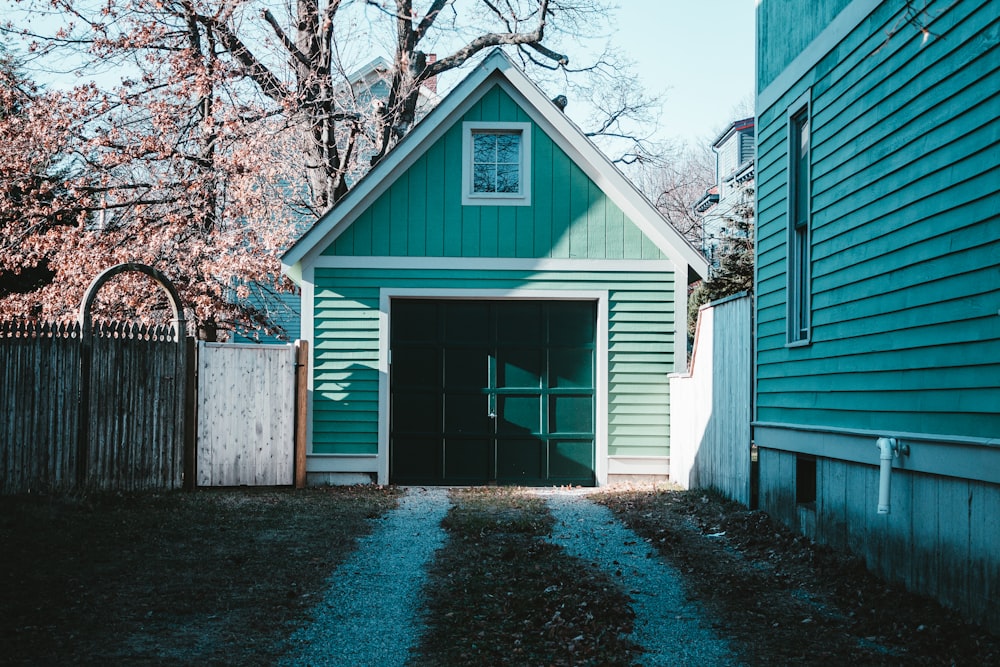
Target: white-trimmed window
496,164
799,223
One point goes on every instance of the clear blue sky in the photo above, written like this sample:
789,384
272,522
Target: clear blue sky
700,53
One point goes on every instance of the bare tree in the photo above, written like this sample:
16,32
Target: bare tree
190,157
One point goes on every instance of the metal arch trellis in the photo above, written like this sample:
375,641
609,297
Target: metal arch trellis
179,322
86,354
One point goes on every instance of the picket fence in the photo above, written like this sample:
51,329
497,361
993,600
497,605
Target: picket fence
710,441
118,410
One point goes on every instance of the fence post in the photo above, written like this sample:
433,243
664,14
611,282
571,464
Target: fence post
190,413
301,409
83,405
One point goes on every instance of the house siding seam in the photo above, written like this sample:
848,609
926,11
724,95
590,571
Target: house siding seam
923,187
346,349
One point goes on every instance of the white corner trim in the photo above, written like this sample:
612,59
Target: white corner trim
520,198
307,332
846,21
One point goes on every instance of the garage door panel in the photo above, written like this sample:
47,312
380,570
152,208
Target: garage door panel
467,322
521,461
416,460
571,414
417,412
571,459
467,413
466,368
468,460
571,368
571,325
520,368
520,323
519,414
417,367
415,322
503,393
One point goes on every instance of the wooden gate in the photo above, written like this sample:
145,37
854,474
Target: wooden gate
246,414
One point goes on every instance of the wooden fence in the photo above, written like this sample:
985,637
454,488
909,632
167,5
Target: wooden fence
710,405
117,410
103,411
246,410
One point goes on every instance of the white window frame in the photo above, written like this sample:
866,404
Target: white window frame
520,198
799,289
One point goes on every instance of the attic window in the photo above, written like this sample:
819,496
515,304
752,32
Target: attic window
496,164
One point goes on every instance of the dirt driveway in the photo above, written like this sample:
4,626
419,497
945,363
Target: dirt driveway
230,576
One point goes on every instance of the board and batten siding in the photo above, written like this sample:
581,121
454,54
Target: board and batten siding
905,232
346,348
421,213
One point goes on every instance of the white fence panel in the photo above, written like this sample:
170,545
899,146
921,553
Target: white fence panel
710,405
246,414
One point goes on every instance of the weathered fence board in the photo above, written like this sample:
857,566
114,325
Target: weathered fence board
118,427
39,372
136,412
246,414
710,405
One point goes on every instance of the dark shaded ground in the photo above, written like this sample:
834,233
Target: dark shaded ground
211,577
224,577
500,594
787,601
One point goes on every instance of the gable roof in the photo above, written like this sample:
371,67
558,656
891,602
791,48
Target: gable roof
496,68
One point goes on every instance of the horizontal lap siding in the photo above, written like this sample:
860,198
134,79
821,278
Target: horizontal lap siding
421,214
906,234
640,341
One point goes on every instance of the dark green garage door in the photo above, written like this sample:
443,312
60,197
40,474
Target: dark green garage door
492,392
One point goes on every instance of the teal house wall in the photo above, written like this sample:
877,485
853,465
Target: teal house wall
903,288
405,232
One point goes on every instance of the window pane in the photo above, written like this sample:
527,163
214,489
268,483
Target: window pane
484,148
484,178
508,148
507,178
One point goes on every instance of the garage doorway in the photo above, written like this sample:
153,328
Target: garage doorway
492,392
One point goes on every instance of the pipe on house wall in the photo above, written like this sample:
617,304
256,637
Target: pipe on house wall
889,448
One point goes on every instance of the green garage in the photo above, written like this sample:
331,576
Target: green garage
494,303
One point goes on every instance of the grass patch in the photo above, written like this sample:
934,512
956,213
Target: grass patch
209,577
500,594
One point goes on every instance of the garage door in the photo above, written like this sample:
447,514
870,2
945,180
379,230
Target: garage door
492,392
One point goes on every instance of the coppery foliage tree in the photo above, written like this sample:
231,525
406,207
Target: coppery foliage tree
227,126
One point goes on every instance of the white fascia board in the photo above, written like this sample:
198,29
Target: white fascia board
596,165
841,26
492,264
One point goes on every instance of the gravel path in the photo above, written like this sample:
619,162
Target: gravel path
670,628
369,616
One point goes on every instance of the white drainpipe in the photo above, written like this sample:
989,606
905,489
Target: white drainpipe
888,449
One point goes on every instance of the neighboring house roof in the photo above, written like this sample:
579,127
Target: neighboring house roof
736,126
496,67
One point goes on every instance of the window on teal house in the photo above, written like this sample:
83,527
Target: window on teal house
496,164
799,271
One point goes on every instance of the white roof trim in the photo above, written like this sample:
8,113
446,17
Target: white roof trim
543,112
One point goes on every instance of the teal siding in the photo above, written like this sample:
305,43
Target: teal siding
905,232
640,354
421,213
783,40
